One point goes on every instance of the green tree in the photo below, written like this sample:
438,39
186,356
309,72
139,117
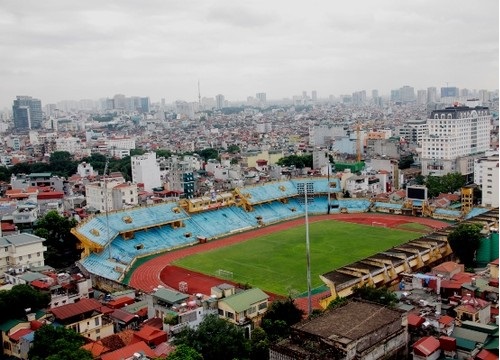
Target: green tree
209,153
215,338
448,183
14,302
464,241
233,149
279,317
299,161
405,162
61,243
5,173
58,343
259,345
61,163
338,302
163,153
381,295
21,168
137,152
184,352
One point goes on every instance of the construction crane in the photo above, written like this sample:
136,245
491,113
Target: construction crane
358,142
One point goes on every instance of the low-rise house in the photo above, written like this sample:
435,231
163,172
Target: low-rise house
474,309
17,334
87,317
245,308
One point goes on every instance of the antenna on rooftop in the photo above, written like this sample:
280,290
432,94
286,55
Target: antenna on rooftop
199,94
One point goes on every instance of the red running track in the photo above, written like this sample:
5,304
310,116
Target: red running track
156,271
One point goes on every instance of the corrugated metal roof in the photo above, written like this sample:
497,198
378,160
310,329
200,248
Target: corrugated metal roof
23,239
170,297
243,300
80,307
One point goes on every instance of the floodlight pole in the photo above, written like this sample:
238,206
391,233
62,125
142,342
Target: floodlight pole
308,257
328,186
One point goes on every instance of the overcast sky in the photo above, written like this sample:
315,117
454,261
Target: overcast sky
60,50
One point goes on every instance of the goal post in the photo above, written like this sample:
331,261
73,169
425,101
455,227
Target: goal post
224,274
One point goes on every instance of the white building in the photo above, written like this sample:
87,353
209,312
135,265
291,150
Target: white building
146,170
486,176
413,131
118,195
21,251
70,144
121,143
456,135
84,169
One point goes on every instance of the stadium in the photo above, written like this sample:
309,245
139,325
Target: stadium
135,247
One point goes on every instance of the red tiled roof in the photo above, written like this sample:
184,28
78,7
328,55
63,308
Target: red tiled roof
96,348
494,262
8,227
486,355
120,302
19,334
129,350
415,320
69,310
447,266
50,195
149,333
122,315
446,320
426,346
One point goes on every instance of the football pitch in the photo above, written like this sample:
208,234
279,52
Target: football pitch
277,262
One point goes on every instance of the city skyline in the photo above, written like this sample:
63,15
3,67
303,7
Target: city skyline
94,50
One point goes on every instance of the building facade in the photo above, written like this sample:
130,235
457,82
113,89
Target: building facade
455,136
27,113
146,170
21,251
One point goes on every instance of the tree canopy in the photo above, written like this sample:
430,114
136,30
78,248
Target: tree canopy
58,343
209,153
464,241
61,244
279,317
381,295
184,352
15,302
448,183
299,161
215,339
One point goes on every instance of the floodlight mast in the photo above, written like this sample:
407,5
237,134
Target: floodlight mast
308,257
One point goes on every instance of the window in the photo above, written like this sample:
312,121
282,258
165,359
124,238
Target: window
38,254
20,257
263,306
221,312
97,321
29,256
229,315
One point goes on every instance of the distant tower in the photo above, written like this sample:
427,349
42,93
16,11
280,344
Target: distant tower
314,95
219,100
27,113
199,94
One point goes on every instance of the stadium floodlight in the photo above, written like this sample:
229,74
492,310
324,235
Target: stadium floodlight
307,188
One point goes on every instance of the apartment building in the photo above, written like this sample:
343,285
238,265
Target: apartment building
117,195
146,170
486,176
455,137
21,251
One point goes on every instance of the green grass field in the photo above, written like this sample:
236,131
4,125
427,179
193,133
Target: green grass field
277,262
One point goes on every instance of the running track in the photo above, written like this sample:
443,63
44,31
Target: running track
147,276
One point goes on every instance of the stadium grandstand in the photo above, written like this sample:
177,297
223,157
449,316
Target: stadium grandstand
112,242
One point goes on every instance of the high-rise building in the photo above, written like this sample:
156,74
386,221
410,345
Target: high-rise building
431,95
27,113
219,101
261,98
456,136
486,176
407,94
421,97
314,95
449,91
